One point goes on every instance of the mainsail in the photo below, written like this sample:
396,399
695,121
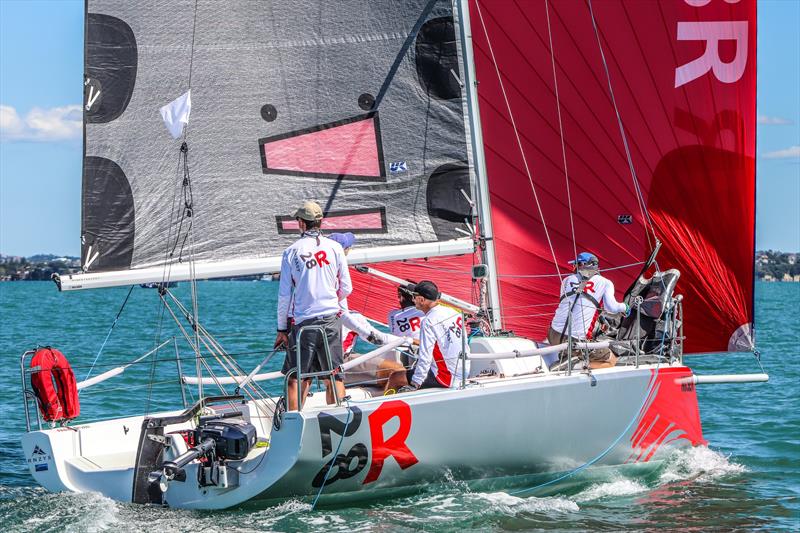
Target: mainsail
356,105
655,105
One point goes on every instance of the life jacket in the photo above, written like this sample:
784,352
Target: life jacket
54,385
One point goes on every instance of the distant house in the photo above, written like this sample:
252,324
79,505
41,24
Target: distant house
768,277
791,258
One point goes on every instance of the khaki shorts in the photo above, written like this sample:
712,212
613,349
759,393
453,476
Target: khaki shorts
600,355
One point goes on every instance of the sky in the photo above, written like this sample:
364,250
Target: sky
41,76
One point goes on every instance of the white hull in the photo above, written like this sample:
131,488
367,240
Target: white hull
494,428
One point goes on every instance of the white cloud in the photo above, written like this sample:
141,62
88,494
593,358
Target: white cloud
764,119
786,153
52,124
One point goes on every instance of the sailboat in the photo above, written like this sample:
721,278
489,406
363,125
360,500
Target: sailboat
478,144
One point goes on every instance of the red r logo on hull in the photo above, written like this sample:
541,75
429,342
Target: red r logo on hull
395,445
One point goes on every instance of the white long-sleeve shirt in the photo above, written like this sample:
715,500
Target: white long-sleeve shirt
440,344
583,314
314,277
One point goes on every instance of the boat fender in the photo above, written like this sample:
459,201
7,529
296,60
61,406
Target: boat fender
53,382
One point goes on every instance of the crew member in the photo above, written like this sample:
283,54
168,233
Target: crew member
583,294
439,360
406,321
314,279
356,325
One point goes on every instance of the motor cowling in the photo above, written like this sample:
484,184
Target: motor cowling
54,384
234,438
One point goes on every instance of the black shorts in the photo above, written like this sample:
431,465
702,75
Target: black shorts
429,382
312,345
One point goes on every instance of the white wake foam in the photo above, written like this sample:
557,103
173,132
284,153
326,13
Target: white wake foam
700,463
512,505
617,487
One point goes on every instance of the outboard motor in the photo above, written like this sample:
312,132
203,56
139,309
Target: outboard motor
219,441
152,474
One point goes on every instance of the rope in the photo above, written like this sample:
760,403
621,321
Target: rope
335,455
516,134
561,128
108,335
639,195
611,446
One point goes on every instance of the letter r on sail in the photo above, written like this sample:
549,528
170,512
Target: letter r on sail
712,33
396,444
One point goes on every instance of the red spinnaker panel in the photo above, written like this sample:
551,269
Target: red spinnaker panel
375,297
683,73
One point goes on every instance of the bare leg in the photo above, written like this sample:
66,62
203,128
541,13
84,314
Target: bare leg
396,380
291,401
385,369
340,391
608,363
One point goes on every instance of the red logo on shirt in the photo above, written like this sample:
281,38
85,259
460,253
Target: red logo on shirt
318,259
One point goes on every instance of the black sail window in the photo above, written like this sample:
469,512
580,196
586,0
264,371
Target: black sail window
437,59
448,208
111,63
107,216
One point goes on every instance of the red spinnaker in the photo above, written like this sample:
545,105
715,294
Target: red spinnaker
683,73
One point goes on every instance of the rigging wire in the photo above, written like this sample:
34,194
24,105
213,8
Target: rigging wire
637,188
561,128
108,335
616,441
516,134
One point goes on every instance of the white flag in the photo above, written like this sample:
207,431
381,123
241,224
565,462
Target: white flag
176,114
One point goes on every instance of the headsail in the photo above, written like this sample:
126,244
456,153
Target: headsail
355,105
683,79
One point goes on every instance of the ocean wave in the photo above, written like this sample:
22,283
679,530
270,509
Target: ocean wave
617,487
700,463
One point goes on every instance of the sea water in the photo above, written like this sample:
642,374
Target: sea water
748,477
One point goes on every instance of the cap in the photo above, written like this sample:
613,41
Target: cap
584,257
347,240
427,289
408,289
309,211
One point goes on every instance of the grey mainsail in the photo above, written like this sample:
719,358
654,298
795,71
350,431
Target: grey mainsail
357,105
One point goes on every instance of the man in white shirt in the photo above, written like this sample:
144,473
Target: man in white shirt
355,325
583,294
406,321
441,341
314,278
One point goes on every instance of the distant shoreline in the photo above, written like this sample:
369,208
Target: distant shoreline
770,266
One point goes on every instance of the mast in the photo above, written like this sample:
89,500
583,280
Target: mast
481,180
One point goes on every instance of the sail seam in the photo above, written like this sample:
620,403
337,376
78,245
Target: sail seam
639,196
561,127
516,135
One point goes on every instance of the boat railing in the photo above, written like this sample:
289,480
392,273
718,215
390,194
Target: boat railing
28,394
300,375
